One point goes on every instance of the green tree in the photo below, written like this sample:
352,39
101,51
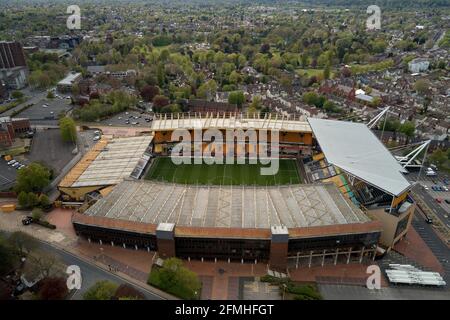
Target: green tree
33,178
326,72
33,199
44,201
37,214
22,198
101,290
50,95
176,279
422,86
17,94
236,97
408,128
439,157
68,129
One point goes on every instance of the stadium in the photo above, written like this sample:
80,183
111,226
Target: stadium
338,196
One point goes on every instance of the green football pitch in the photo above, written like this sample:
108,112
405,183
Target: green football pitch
163,169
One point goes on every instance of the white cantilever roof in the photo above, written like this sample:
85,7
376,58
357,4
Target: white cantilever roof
356,150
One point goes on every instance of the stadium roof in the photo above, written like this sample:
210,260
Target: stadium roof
228,121
356,150
108,162
292,206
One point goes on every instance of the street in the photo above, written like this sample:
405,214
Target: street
345,292
90,274
442,210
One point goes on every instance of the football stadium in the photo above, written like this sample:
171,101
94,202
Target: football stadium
339,195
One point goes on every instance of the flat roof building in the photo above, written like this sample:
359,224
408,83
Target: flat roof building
68,82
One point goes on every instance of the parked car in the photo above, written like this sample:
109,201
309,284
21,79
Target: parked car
17,164
444,188
27,221
438,200
429,220
447,201
96,138
11,162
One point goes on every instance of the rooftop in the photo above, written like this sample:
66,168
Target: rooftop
227,206
69,79
108,162
354,148
228,121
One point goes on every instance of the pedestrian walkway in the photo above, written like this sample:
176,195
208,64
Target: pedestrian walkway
413,247
223,277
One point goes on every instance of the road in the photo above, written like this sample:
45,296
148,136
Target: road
91,273
36,97
342,292
442,210
119,119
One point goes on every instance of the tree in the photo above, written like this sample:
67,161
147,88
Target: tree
149,92
7,257
256,104
52,289
326,72
50,95
265,48
44,201
22,243
127,292
23,199
44,263
422,86
408,128
68,129
236,97
17,94
101,290
160,101
346,72
33,178
33,199
37,214
176,279
439,157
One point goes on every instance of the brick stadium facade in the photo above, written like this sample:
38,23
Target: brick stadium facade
277,246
